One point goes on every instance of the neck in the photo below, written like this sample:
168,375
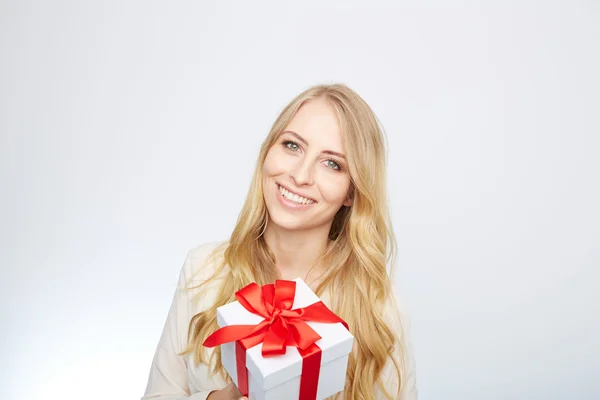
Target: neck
297,253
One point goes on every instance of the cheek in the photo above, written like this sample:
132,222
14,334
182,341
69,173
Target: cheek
270,164
334,189
276,162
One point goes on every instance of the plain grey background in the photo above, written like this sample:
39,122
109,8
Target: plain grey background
129,130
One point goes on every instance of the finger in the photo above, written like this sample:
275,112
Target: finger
236,392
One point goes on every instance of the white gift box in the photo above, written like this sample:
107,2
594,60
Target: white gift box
278,377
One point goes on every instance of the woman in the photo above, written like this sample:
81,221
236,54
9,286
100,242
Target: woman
316,209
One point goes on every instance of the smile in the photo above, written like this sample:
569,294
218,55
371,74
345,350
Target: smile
293,197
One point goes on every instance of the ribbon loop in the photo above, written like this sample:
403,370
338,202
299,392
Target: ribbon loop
282,326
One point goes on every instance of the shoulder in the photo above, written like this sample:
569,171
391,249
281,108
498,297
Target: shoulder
201,276
199,254
397,311
202,262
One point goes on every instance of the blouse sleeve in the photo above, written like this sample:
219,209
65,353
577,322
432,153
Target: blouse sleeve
400,322
168,378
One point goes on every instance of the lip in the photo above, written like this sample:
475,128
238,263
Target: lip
290,204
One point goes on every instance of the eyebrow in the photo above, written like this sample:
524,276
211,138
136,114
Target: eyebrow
300,138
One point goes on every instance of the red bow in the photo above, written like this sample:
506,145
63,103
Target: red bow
282,326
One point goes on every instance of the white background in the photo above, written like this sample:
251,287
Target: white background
129,131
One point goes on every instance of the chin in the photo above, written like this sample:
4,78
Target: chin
287,223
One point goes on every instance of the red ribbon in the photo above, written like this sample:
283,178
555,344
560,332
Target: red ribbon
281,327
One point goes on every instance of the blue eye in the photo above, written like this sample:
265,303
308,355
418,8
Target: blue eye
293,146
333,164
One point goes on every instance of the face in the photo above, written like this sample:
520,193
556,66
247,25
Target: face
305,173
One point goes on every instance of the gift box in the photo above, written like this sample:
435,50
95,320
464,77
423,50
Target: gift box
280,341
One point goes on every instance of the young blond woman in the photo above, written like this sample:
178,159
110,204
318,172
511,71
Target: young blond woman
316,209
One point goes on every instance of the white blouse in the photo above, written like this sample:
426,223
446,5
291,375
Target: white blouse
174,377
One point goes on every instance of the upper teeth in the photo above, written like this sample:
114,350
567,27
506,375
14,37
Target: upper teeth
294,197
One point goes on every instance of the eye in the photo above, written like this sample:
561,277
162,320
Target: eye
293,146
331,163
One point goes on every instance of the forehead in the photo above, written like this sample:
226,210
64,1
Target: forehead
316,121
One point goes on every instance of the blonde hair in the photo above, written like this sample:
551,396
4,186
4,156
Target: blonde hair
361,245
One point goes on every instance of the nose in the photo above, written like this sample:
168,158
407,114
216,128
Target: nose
302,173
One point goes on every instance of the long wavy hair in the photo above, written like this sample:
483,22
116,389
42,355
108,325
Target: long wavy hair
360,252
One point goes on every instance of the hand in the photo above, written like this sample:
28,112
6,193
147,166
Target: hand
229,392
